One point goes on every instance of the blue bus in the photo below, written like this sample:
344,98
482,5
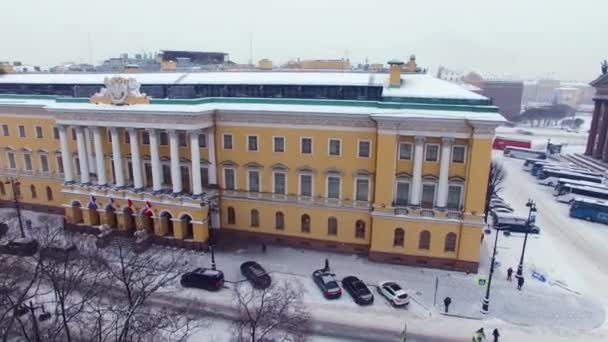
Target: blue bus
590,210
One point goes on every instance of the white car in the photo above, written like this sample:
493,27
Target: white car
393,293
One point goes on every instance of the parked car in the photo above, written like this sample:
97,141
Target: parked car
203,278
21,246
326,281
256,274
497,203
58,251
358,290
393,293
513,223
501,210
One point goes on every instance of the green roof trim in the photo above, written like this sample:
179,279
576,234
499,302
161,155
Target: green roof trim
460,105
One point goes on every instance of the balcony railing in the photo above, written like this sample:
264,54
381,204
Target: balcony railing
408,210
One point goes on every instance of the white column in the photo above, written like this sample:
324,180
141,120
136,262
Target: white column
444,172
83,158
138,183
66,157
155,158
117,158
195,156
176,174
417,173
99,158
89,147
211,149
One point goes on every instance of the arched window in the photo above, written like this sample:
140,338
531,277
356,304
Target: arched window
2,190
305,227
450,242
360,229
332,226
425,240
255,218
33,191
399,237
49,193
231,216
279,220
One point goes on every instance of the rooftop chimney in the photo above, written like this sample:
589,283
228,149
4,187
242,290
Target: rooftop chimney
395,73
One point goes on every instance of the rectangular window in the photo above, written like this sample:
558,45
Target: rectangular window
364,149
77,162
334,147
56,133
127,137
205,177
405,151
458,153
5,131
39,132
182,139
402,194
428,195
44,163
228,141
145,138
252,143
254,180
279,183
202,140
21,131
166,174
454,195
362,189
129,170
73,133
306,185
12,164
229,179
279,144
163,138
306,146
333,187
59,164
27,158
432,153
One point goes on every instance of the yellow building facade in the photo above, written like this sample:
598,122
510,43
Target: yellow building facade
401,183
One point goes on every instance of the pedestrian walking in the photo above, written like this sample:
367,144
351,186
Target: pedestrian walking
447,301
496,335
479,335
520,283
326,268
509,274
482,236
263,248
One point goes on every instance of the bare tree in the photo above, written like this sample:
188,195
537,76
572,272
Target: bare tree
496,181
136,279
276,313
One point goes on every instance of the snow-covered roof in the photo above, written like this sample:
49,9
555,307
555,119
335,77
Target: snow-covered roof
413,85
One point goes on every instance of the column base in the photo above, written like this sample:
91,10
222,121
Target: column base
138,190
177,194
69,183
157,192
197,196
442,209
123,187
85,183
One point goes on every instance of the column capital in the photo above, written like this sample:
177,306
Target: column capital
152,130
419,139
113,129
447,140
194,132
131,129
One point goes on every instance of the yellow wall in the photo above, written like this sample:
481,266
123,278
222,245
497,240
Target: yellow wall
477,178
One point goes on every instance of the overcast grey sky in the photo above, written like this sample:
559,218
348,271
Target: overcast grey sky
529,38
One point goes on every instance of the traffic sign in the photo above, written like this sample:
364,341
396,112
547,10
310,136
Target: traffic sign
481,281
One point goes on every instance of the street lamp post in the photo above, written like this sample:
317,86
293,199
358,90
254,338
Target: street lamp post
531,219
14,182
485,307
212,208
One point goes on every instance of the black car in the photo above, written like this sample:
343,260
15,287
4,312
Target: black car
518,228
256,274
203,278
22,246
358,290
326,281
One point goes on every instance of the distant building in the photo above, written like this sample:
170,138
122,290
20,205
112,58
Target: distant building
194,57
320,64
265,64
542,92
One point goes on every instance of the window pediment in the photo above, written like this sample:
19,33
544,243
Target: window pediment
228,163
254,165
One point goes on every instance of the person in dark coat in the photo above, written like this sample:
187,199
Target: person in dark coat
520,283
263,248
496,335
447,301
326,269
509,274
